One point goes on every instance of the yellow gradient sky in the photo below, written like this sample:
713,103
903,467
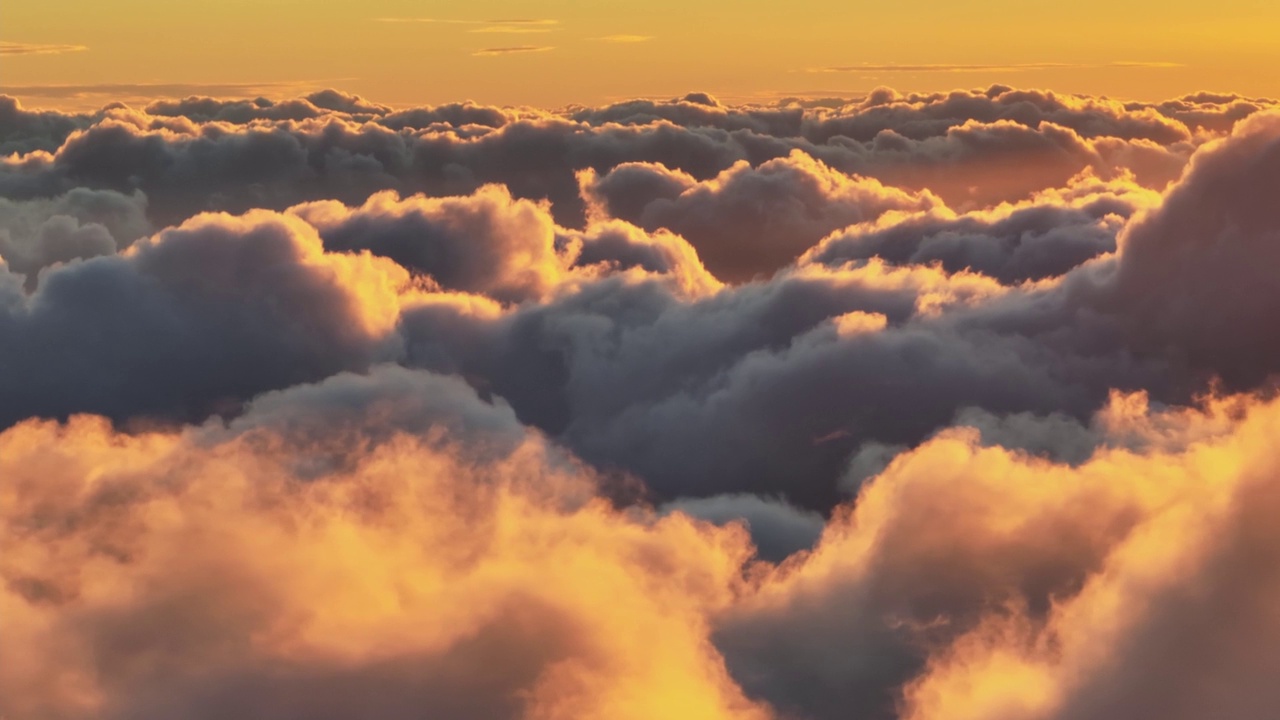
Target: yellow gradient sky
592,51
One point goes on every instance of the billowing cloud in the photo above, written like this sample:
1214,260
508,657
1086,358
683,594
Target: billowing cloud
194,573
192,320
963,568
971,149
1044,237
36,234
910,407
747,221
305,561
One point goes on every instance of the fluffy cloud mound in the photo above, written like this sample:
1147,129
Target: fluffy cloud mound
970,148
305,561
193,320
36,234
199,574
1044,237
910,407
746,221
1195,277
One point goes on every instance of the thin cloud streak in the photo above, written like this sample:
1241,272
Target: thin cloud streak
443,21
17,48
624,38
155,89
511,29
512,50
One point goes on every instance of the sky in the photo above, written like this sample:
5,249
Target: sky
553,53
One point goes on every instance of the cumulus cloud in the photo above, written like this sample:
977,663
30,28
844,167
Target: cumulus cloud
969,148
618,343
193,320
35,234
230,583
961,567
952,405
221,569
1194,277
746,221
1044,237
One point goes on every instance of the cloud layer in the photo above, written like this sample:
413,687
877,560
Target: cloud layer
905,406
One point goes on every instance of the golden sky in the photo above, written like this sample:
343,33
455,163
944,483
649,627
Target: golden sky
555,52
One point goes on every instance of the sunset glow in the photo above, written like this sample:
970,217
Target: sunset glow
408,52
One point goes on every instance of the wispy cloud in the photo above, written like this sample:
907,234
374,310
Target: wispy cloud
512,29
445,21
511,50
17,48
995,67
1142,64
157,90
624,38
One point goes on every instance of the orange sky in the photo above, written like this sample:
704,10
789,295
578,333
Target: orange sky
580,51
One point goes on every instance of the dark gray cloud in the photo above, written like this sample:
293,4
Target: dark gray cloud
192,321
1041,238
971,148
746,221
35,234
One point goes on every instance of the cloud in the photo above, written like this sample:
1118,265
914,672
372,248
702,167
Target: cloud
505,587
746,222
961,68
507,22
1191,278
487,244
610,330
905,406
17,48
969,148
511,29
35,234
1044,237
512,50
939,584
625,38
242,632
86,98
940,68
192,320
